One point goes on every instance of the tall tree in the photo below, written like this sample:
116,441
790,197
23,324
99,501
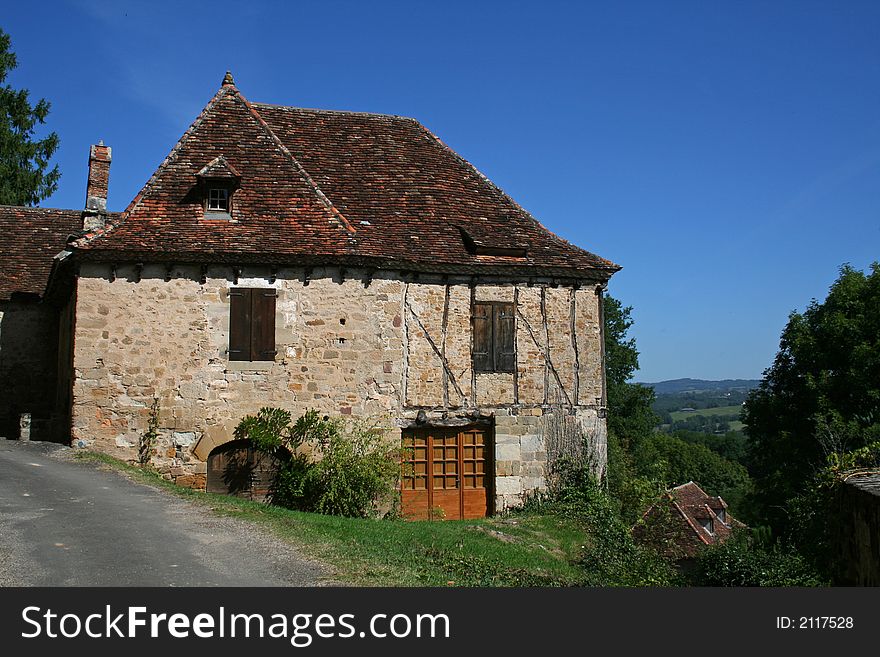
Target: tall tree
629,405
820,396
24,178
630,417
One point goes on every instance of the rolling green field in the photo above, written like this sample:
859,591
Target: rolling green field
678,416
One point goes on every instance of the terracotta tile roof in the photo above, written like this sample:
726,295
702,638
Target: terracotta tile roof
692,508
696,505
329,186
31,238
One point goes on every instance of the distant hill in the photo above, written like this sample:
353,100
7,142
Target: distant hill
677,386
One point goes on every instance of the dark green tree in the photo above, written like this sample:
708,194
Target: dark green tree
821,396
674,461
24,160
630,418
629,404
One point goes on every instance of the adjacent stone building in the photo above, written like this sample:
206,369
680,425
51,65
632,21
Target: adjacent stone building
346,262
29,326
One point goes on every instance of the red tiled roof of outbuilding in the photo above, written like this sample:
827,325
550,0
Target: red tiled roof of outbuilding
31,238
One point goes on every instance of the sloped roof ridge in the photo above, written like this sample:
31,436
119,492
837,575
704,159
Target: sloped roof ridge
172,155
345,223
38,208
691,483
690,522
501,194
317,110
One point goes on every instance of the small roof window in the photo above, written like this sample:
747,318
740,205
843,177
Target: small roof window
218,181
485,246
218,199
708,524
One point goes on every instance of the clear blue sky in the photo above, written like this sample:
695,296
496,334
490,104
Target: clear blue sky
727,154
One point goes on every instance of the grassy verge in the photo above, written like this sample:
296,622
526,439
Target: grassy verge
521,550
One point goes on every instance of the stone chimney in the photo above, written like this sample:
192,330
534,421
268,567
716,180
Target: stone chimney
95,214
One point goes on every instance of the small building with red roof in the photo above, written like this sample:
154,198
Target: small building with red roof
686,520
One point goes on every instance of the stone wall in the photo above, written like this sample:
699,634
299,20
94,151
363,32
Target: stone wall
349,343
28,354
858,531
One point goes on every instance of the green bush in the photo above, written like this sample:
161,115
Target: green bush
356,471
743,561
337,467
611,556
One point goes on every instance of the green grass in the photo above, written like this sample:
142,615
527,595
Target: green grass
678,416
525,549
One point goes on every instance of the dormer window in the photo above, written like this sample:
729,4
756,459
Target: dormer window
708,525
218,180
484,246
218,199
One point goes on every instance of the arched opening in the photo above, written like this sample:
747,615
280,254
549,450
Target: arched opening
237,468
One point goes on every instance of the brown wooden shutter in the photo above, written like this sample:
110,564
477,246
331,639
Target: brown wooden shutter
239,324
482,329
504,333
263,324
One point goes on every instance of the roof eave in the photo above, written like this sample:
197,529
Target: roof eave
513,271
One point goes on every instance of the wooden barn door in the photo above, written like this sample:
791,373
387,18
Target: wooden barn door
446,473
236,468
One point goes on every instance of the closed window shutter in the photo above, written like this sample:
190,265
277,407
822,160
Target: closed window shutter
504,332
263,325
482,330
239,324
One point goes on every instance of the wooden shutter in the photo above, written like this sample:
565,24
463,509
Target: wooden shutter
482,336
504,333
263,324
239,324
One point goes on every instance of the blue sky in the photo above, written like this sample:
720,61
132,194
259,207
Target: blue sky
726,154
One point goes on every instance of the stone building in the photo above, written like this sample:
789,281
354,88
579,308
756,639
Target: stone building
28,326
339,261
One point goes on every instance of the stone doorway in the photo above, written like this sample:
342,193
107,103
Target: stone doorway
237,468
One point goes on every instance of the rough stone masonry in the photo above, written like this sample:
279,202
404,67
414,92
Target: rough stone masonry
377,345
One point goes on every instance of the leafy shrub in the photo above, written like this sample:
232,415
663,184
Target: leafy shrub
337,468
814,514
355,472
611,557
743,561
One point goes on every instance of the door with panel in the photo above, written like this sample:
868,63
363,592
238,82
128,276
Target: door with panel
446,473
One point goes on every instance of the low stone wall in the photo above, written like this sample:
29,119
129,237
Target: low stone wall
858,534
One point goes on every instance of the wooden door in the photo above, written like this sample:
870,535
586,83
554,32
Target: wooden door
446,474
236,468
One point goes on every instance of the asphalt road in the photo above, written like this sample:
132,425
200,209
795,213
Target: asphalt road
65,522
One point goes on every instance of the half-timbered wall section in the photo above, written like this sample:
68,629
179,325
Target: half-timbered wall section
389,346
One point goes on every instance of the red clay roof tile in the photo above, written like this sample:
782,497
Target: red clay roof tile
337,186
31,238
